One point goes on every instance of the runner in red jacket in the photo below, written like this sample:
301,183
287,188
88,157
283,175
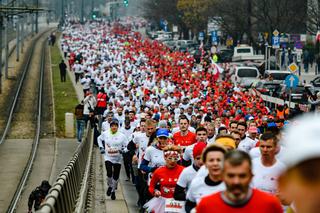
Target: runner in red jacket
167,176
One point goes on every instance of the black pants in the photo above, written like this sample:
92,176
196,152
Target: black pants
77,76
63,76
113,170
127,161
142,188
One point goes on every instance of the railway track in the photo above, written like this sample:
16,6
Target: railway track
24,117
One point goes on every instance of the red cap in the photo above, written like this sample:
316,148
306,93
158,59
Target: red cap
198,148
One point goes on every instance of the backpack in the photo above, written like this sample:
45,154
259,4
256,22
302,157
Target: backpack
78,111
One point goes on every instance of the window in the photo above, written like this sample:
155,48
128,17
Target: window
247,73
280,76
244,50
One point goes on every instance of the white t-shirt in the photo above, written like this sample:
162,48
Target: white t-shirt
265,178
188,153
105,126
202,172
114,143
199,188
141,139
127,132
246,144
186,177
154,156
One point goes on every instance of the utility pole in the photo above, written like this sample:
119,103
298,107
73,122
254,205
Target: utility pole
62,11
22,32
92,7
37,16
82,12
1,26
18,34
249,23
18,38
14,10
6,46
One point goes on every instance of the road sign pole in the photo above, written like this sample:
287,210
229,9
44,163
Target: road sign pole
290,99
269,59
266,56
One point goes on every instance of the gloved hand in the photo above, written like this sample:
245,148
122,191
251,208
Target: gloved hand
102,151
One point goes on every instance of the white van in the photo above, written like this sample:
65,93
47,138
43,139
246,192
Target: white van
245,75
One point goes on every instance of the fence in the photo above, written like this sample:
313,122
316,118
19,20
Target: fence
273,102
68,192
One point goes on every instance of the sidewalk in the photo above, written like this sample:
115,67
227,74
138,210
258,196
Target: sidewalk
119,205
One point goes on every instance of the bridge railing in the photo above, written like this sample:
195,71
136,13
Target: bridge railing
67,193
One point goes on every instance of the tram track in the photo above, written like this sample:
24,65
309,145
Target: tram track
24,118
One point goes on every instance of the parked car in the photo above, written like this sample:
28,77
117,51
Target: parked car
185,43
316,83
171,44
245,53
225,55
277,75
245,75
262,68
266,87
299,94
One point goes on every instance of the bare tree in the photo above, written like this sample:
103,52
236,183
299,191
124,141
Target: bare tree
232,16
283,15
313,20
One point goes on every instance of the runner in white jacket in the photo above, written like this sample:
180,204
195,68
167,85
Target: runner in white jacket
112,144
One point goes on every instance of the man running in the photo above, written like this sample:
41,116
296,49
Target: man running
239,197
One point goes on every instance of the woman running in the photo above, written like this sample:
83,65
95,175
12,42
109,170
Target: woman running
164,179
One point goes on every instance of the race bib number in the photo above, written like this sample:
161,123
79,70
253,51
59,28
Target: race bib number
174,206
113,152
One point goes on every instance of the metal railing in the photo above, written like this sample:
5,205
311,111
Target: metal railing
68,192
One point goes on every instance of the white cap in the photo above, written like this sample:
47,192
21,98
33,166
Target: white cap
302,140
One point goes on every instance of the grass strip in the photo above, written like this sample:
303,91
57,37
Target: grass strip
65,98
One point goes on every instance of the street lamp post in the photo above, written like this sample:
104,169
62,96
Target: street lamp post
82,11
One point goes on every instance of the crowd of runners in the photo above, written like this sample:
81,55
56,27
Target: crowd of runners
188,138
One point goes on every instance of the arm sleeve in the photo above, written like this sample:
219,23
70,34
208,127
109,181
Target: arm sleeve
144,166
153,183
100,139
179,193
187,154
182,181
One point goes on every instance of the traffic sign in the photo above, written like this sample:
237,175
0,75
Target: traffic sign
201,36
291,81
276,42
293,67
214,37
276,33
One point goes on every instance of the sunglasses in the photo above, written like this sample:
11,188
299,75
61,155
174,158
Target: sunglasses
177,158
